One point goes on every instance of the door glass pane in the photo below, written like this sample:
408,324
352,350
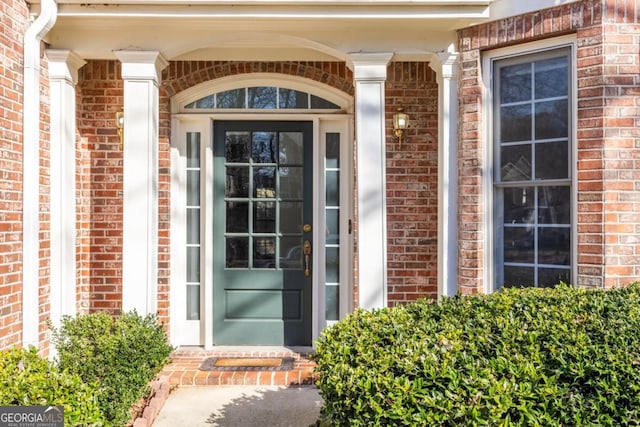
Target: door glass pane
237,182
332,298
262,97
263,147
193,187
333,151
332,267
515,162
291,150
193,150
290,217
193,226
237,252
552,160
291,184
264,252
291,253
333,187
237,217
264,217
237,147
264,182
333,226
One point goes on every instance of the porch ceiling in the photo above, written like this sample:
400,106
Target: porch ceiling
263,30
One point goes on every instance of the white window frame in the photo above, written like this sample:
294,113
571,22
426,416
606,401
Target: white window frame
200,332
489,226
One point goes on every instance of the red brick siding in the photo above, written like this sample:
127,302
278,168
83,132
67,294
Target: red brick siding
607,140
13,23
100,90
412,183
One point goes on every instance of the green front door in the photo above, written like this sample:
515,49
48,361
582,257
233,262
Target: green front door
262,232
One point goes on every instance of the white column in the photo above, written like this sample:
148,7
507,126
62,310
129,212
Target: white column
370,73
141,74
445,65
63,76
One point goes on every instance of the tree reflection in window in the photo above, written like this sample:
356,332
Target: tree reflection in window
262,98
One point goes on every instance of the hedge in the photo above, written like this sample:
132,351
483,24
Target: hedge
520,357
121,354
26,379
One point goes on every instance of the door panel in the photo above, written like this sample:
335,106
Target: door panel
262,198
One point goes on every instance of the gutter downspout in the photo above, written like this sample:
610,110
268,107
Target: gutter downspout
31,172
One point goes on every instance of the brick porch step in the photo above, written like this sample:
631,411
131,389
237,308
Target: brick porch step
183,370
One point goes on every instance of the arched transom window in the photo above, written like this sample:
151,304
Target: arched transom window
262,98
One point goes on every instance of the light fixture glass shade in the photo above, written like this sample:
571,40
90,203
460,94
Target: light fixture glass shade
400,125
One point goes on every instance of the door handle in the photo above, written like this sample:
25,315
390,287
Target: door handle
306,250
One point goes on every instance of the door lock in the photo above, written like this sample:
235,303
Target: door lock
306,250
306,228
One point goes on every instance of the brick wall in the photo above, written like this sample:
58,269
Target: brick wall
13,23
412,183
608,40
100,93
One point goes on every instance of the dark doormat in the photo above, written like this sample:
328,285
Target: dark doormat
247,364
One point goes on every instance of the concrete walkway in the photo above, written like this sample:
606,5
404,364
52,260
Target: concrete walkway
240,406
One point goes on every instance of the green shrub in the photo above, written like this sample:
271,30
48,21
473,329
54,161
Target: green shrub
521,357
120,354
27,379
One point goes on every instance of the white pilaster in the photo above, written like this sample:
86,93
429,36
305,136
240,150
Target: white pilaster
141,74
370,73
445,65
63,76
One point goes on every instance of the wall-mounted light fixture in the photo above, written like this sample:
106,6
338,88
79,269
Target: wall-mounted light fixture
120,125
400,125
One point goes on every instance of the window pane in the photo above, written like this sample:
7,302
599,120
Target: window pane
291,148
237,252
552,160
193,226
290,217
264,217
322,104
332,265
237,182
290,98
333,226
515,83
291,253
264,182
264,252
193,150
263,147
333,188
518,244
515,123
332,302
233,98
262,97
193,188
518,277
550,277
237,217
554,205
237,147
333,150
193,264
291,183
206,102
193,302
518,205
515,163
552,77
552,119
554,246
